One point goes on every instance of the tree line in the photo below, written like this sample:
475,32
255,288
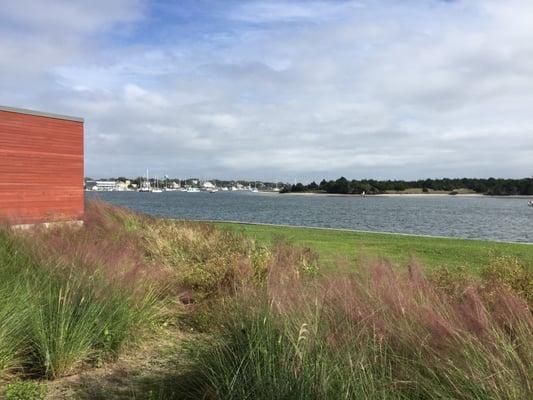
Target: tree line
489,186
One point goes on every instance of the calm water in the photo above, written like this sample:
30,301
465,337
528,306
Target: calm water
506,219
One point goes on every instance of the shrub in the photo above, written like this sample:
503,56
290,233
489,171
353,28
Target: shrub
203,258
500,271
451,280
511,273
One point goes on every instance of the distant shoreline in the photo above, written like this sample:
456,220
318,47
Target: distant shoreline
408,195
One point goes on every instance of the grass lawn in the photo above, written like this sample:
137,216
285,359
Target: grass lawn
432,252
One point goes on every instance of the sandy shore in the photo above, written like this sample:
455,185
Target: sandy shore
430,195
390,195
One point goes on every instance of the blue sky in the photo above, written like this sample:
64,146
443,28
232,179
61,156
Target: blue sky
273,89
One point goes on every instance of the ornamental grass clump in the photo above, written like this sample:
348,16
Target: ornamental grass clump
375,334
68,298
81,319
74,295
108,245
13,313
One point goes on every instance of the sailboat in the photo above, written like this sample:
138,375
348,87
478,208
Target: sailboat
167,187
145,186
156,189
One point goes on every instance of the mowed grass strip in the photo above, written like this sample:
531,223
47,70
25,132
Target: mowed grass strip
430,251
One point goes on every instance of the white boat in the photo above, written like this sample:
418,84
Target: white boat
224,189
214,190
193,190
530,203
145,186
157,189
174,187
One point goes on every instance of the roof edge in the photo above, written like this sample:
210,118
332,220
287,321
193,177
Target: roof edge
40,113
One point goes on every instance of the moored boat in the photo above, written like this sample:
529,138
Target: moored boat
145,186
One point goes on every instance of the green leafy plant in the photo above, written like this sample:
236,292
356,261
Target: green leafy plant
25,390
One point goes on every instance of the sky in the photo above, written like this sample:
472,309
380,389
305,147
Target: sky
279,89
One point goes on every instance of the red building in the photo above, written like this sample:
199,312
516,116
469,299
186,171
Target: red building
41,167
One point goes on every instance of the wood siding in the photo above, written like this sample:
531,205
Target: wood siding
41,168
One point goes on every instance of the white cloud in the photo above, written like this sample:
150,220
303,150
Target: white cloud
274,11
66,15
286,89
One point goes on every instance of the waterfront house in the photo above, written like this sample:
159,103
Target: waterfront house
208,185
41,167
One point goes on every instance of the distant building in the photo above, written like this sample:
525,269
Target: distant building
89,185
41,167
122,186
208,185
105,186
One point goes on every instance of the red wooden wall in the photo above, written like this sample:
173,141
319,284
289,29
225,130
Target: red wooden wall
41,167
